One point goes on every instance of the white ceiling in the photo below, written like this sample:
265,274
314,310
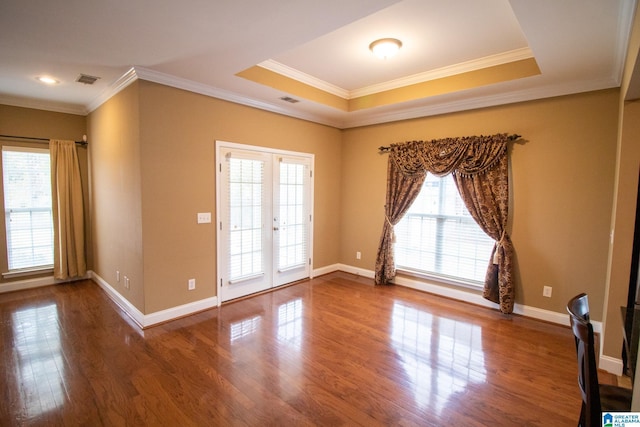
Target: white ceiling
200,45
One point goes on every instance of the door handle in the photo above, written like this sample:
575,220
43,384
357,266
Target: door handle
275,228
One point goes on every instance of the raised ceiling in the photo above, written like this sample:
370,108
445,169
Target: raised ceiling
456,55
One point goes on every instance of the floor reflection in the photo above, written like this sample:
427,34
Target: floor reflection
440,356
244,328
39,356
290,323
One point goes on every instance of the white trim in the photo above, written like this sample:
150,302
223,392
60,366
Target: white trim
41,104
125,80
326,270
25,272
37,282
610,364
292,73
505,98
481,101
463,67
19,285
130,310
452,70
146,320
180,311
225,95
259,149
624,25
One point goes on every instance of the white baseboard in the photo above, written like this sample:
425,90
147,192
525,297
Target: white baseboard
325,270
147,320
180,311
610,364
37,282
20,285
130,310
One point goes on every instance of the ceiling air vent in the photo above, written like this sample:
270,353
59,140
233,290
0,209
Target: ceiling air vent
87,79
290,99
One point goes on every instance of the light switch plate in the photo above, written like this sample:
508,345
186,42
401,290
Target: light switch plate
204,217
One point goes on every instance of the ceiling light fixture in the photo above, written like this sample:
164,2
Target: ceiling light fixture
47,80
385,48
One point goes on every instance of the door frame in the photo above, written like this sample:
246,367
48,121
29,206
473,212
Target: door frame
220,245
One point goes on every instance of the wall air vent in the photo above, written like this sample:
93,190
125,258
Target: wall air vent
290,99
87,79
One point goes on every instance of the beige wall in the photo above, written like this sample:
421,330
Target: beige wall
562,177
27,122
624,205
116,194
623,224
154,189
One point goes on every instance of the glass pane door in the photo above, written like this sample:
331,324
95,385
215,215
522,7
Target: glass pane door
264,220
291,220
246,209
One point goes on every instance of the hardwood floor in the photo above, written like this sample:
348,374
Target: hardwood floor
334,350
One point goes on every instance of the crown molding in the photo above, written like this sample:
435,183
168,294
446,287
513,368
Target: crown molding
463,67
371,118
348,120
305,78
202,89
125,80
41,104
482,101
627,9
452,70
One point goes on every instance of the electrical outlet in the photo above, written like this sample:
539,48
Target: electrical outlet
546,291
204,217
192,284
358,255
126,282
117,275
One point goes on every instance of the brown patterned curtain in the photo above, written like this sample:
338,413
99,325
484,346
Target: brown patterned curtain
404,182
480,168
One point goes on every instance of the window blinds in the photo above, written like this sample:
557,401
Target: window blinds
27,202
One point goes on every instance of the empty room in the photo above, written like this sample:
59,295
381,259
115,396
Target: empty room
344,213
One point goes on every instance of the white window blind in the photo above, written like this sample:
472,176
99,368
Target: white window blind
293,223
438,236
246,199
27,205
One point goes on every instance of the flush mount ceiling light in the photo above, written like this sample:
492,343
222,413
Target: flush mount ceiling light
385,48
47,80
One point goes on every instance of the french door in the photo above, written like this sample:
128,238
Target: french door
264,218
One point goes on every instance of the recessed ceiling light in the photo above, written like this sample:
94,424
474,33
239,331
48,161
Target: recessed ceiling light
47,80
385,48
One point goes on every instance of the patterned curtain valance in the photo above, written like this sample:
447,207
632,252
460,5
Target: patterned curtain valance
464,155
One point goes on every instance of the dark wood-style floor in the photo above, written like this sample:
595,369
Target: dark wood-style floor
334,350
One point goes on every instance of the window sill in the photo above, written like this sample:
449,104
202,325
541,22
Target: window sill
447,280
24,272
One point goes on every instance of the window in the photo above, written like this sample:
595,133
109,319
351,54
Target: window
27,206
438,237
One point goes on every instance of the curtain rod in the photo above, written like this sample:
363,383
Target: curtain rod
513,137
35,139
